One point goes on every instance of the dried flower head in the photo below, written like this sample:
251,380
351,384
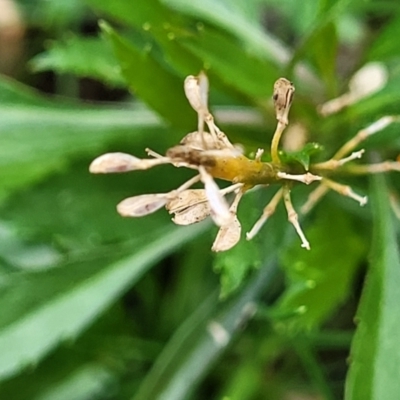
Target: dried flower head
213,156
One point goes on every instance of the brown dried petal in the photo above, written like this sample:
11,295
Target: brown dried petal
139,206
227,236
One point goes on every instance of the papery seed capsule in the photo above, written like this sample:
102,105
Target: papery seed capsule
228,235
192,214
189,207
283,97
113,162
139,206
195,94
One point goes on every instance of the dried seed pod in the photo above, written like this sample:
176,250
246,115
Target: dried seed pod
196,91
186,199
139,206
189,207
283,97
200,141
114,162
228,235
192,214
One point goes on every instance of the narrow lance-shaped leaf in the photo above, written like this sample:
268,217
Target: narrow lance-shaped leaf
375,353
40,136
42,328
154,84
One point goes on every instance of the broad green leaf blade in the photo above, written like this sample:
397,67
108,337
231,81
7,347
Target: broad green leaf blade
28,336
320,280
224,56
375,353
39,136
201,340
152,82
81,56
228,17
136,14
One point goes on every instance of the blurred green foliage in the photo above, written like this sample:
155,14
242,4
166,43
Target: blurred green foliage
95,306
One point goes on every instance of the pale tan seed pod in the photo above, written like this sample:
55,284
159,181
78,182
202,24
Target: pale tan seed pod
186,199
371,78
368,80
283,97
196,91
189,207
200,141
192,214
114,162
139,206
228,236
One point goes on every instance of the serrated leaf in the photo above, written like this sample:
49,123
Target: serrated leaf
157,86
375,353
75,296
319,280
40,136
84,57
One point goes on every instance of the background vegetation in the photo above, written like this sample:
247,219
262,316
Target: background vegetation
94,306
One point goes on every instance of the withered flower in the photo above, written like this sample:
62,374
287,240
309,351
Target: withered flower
213,156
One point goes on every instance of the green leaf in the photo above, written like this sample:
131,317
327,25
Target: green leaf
385,47
84,57
302,156
375,353
384,102
53,15
202,339
319,280
152,82
40,310
136,14
323,48
320,35
40,136
227,16
224,56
